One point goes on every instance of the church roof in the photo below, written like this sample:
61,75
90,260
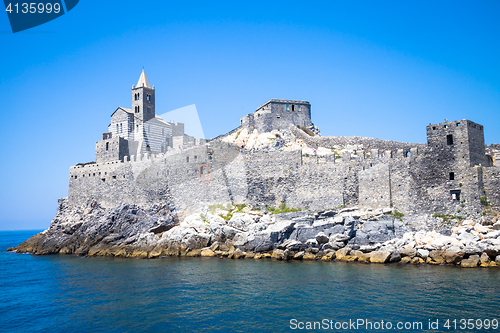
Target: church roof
161,119
123,109
143,81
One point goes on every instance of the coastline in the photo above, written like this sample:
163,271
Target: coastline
349,234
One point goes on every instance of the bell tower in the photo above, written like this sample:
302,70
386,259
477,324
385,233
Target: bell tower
143,99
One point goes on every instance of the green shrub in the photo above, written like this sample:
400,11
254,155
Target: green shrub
484,201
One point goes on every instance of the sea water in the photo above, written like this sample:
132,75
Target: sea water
65,293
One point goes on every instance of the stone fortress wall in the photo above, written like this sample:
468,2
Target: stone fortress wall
448,175
415,179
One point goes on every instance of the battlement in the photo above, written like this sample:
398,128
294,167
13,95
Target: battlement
290,102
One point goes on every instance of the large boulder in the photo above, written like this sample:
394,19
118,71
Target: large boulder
342,253
437,256
321,238
260,242
472,261
242,221
453,255
380,257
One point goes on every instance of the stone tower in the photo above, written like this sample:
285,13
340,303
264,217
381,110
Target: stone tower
143,99
278,114
462,140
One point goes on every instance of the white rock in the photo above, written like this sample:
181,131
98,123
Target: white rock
481,229
423,253
492,234
338,219
311,242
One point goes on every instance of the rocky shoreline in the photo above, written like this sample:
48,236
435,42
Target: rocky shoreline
348,234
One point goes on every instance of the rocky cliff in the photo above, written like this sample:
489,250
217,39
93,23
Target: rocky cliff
350,234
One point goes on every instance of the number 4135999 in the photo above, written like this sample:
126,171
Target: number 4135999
33,8
471,324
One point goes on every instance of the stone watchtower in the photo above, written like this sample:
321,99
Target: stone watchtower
143,99
461,140
278,114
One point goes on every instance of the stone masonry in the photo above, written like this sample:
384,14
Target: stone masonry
451,174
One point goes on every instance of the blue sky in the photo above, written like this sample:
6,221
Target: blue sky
382,69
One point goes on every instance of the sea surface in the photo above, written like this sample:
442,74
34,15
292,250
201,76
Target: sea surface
63,293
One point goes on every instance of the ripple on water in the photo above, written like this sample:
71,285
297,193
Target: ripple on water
69,293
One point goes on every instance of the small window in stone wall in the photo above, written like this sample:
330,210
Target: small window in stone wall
298,108
449,139
187,159
288,107
458,124
455,195
107,145
434,128
452,176
293,107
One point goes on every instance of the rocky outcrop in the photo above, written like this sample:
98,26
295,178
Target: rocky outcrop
349,234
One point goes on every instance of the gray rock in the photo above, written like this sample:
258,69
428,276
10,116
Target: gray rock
321,238
395,257
262,241
338,238
311,243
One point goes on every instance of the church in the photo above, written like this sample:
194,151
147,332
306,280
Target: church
139,130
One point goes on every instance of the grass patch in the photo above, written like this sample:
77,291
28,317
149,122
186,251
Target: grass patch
237,135
447,218
398,215
282,209
204,219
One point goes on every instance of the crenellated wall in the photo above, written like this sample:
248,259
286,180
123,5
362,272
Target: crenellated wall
416,183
